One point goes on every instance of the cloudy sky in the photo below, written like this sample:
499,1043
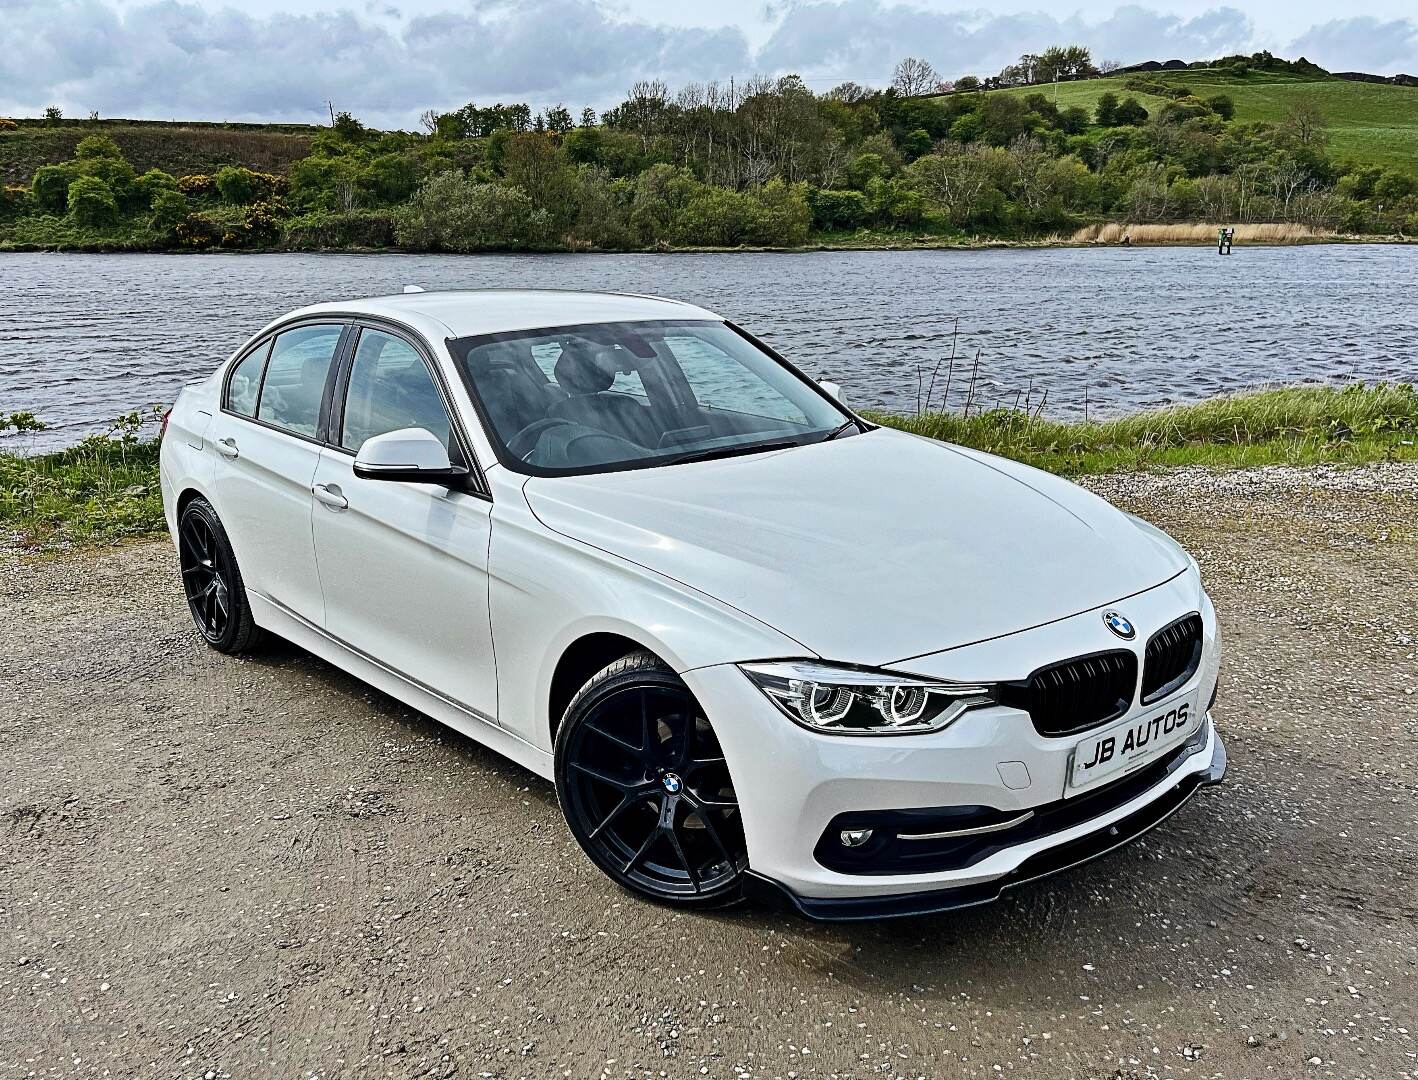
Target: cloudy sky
388,60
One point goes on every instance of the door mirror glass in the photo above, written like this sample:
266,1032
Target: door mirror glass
410,455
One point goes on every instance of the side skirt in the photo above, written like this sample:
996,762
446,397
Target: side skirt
281,621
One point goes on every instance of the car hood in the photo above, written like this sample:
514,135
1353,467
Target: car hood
868,549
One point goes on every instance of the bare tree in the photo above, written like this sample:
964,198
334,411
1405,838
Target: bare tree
848,92
428,120
914,77
1304,124
1287,179
1106,67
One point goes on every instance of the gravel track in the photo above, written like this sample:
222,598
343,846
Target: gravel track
213,867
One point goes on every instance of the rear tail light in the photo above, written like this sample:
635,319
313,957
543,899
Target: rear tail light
162,429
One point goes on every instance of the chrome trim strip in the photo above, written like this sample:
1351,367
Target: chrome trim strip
978,830
415,683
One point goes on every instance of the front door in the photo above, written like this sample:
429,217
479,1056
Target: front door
266,440
404,566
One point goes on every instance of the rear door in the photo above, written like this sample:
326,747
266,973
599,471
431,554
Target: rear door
267,440
404,566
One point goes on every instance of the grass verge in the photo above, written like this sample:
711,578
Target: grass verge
1293,425
105,489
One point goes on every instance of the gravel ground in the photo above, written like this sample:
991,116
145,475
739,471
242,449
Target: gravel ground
214,867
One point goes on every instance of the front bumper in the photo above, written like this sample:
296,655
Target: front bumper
1049,861
795,785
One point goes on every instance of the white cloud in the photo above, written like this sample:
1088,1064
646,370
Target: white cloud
196,60
1362,43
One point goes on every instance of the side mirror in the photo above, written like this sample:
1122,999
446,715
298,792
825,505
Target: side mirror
411,455
833,390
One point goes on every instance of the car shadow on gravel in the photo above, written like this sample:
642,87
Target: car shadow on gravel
1096,909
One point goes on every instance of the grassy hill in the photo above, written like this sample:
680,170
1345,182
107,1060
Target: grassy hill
178,148
1375,123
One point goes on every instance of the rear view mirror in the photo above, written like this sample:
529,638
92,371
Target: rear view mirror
411,455
832,390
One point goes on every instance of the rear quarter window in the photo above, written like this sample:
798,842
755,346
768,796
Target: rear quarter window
244,386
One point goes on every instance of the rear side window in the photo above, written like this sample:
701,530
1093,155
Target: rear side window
245,381
295,378
390,388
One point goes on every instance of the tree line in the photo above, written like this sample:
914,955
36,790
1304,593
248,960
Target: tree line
765,162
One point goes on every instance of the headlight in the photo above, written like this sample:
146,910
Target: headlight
851,701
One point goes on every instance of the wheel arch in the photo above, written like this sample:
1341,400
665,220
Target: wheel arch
581,659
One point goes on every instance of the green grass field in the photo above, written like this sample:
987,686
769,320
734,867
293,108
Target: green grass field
105,490
1374,123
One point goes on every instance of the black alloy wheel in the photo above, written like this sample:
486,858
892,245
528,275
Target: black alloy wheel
644,786
216,595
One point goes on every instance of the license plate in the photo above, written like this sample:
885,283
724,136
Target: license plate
1129,745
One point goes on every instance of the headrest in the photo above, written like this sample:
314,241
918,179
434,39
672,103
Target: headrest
584,368
314,369
500,354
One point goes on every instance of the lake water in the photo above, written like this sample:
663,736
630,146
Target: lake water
85,337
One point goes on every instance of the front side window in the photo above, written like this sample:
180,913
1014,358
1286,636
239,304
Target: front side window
245,382
390,388
295,378
630,395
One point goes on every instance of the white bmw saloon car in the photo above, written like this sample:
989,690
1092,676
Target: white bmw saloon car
759,644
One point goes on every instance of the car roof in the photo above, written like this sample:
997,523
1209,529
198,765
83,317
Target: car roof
467,312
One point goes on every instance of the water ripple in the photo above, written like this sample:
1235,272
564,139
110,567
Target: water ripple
84,337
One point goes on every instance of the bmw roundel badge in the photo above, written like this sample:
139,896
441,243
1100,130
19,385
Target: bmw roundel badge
1119,625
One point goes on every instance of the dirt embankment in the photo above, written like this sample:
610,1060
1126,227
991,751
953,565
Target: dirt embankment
213,868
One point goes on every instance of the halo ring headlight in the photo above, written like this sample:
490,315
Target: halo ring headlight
841,700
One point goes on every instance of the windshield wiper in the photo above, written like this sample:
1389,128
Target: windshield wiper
730,451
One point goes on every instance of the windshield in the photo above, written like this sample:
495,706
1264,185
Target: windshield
605,396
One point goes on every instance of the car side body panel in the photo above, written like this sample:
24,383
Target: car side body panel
548,591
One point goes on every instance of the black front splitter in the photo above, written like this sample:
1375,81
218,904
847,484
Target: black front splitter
1050,861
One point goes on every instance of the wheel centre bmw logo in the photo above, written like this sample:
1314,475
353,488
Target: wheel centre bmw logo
1119,625
672,783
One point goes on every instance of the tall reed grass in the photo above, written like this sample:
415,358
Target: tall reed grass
1277,232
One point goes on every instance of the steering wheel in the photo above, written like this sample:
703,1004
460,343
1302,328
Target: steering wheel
525,441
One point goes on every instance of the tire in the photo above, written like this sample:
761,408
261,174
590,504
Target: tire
643,785
211,580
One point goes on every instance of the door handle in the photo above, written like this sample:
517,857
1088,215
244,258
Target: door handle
331,496
227,448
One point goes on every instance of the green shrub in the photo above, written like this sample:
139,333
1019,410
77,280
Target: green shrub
97,147
1131,113
449,213
91,202
235,185
339,229
833,209
1106,113
169,206
1392,186
152,183
388,179
776,215
50,187
325,183
1222,106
